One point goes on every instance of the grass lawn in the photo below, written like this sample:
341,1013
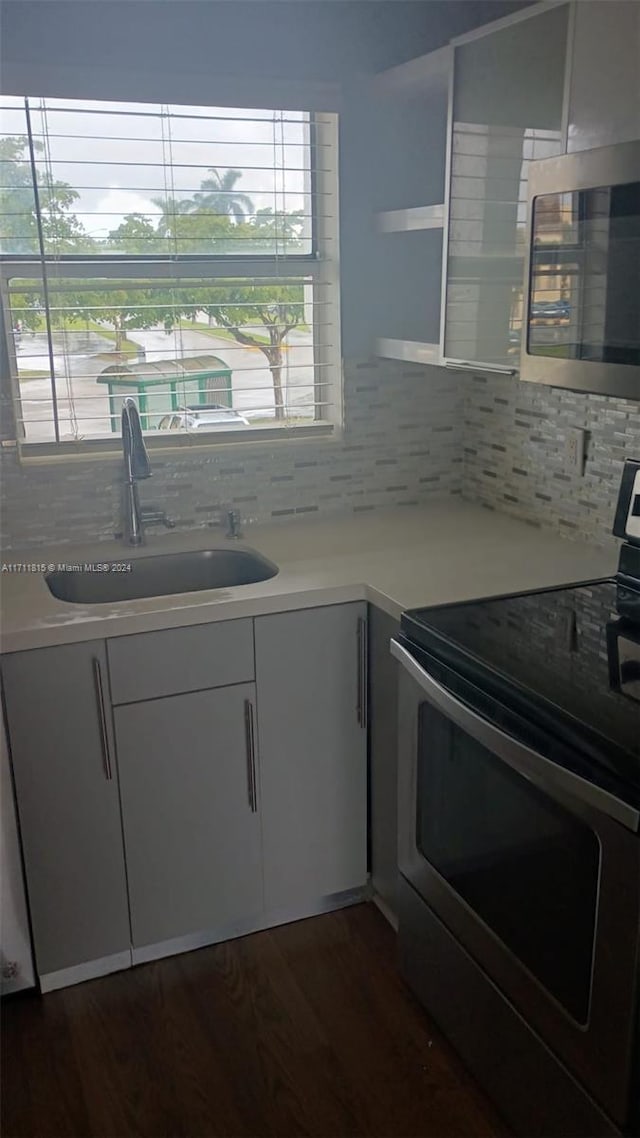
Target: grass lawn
557,351
220,333
224,334
129,347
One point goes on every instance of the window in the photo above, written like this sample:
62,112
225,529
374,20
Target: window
186,256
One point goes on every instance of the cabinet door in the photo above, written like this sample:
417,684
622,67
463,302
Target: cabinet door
190,816
312,754
604,104
67,792
400,142
507,111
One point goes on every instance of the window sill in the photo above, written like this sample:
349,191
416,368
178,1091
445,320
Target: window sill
111,449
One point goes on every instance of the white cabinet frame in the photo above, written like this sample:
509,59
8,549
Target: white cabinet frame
471,37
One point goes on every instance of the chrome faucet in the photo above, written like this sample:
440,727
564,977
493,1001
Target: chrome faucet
136,467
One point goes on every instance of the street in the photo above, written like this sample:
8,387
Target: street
79,357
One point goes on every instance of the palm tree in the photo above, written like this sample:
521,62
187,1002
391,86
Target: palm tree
217,195
170,207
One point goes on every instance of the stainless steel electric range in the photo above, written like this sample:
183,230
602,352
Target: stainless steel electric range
519,840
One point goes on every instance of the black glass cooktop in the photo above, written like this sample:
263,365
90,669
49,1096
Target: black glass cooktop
565,654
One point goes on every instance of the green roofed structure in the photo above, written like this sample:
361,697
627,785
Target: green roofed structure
166,386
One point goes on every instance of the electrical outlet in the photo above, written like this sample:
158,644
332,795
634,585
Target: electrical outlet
574,449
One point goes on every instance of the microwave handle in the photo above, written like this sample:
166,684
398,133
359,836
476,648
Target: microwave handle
531,765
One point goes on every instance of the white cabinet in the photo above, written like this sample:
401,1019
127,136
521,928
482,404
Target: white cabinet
531,86
507,111
311,681
233,818
604,101
15,937
408,151
68,806
190,812
173,660
459,127
231,784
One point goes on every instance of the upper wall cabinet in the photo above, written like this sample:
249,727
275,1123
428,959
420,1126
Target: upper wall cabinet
455,132
604,98
507,110
408,176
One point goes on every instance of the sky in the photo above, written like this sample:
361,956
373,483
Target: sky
116,154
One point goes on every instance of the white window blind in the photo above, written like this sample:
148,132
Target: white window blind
183,255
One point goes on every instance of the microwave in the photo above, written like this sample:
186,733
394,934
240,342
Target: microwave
581,327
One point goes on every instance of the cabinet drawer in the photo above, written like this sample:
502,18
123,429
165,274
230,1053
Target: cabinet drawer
176,660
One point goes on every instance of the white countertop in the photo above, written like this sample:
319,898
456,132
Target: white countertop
449,550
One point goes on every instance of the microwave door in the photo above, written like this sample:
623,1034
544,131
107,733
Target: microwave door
582,285
585,276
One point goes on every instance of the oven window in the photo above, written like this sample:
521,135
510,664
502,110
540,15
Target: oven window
527,867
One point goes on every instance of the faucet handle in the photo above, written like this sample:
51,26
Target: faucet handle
234,524
230,519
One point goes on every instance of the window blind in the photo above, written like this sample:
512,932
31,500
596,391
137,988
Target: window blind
184,255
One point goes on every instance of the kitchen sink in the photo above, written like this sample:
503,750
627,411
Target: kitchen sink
158,576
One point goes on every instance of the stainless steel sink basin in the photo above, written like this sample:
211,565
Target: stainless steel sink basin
105,582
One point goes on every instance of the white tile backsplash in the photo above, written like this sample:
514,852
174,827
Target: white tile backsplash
401,443
410,432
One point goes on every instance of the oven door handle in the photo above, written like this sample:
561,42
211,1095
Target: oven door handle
530,764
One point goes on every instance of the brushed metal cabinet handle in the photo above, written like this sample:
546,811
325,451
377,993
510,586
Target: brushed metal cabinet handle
251,756
253,759
104,738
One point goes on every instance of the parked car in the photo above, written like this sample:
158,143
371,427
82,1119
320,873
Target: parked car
551,309
204,417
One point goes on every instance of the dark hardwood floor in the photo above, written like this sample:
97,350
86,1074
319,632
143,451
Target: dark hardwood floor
305,1029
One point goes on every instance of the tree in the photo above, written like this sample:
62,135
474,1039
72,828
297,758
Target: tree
135,235
186,230
282,231
276,308
124,305
170,208
213,221
217,195
257,316
19,233
61,230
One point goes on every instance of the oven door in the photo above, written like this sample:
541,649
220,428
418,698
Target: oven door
532,868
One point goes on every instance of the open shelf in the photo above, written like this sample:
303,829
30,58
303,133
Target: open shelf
406,220
410,351
422,75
